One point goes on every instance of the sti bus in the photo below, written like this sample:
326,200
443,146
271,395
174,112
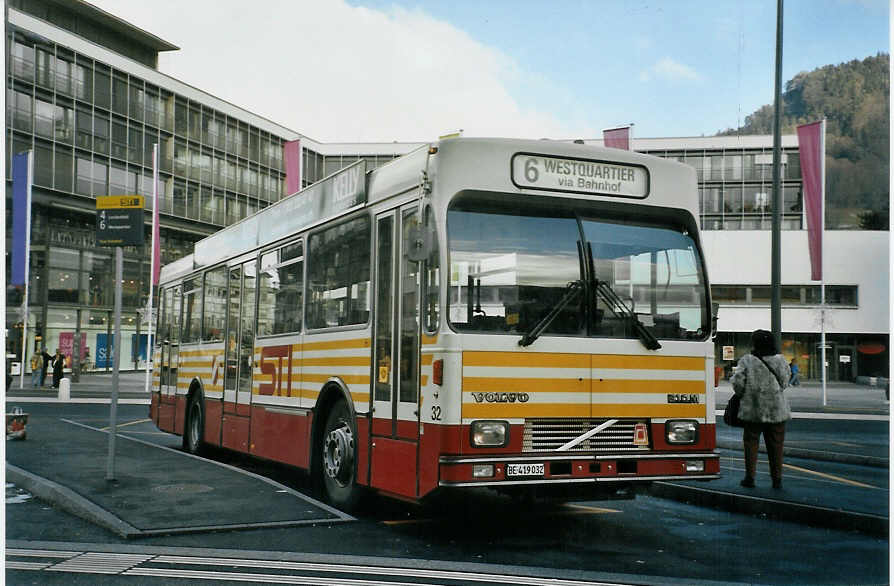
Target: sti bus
529,316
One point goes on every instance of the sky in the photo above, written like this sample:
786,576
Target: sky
412,70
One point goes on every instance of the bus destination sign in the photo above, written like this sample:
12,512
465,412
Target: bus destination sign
119,220
533,171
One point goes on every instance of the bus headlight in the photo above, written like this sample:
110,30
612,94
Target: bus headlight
490,434
681,431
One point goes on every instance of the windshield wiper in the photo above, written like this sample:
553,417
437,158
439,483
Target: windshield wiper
618,307
571,292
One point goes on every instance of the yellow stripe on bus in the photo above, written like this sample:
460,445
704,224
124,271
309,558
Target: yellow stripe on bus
522,359
351,379
648,362
331,361
333,345
525,385
648,386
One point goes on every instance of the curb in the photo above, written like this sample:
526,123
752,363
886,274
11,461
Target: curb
69,501
842,458
782,510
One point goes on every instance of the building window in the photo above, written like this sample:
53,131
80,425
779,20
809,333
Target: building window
101,134
100,178
22,112
45,69
22,61
63,166
44,116
791,295
83,81
63,123
102,88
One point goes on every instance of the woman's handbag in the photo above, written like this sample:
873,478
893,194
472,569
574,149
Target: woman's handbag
731,413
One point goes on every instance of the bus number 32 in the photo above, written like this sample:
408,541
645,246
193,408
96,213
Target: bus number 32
436,413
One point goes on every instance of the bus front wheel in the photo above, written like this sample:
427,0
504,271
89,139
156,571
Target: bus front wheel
338,459
194,427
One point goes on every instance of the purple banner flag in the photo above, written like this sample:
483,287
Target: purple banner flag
617,138
21,217
811,144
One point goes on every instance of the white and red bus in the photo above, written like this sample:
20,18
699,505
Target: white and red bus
520,315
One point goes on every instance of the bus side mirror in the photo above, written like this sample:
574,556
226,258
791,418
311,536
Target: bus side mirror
418,245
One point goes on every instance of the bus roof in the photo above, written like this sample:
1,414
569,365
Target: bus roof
496,164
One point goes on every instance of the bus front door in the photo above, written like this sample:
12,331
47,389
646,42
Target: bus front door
238,357
170,360
395,417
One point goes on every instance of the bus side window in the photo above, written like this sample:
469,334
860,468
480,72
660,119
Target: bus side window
338,275
432,277
215,304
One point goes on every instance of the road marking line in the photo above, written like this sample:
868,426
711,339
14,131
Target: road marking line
829,476
598,510
120,425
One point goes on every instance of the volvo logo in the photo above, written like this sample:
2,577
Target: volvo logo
501,397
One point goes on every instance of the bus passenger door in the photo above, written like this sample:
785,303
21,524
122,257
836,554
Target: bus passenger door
170,360
395,423
238,359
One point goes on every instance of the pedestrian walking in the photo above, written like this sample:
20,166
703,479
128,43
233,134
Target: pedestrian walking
47,359
36,364
795,380
759,380
58,366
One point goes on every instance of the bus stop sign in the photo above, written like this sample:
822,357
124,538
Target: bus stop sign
119,220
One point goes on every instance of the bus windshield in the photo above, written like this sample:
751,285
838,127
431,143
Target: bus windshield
513,265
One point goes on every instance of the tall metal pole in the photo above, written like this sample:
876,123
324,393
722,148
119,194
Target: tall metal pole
775,253
822,255
151,262
116,361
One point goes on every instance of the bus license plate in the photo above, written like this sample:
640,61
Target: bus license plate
524,470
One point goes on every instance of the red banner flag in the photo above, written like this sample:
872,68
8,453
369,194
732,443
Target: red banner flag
617,138
292,159
812,150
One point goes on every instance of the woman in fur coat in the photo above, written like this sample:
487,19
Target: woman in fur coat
759,380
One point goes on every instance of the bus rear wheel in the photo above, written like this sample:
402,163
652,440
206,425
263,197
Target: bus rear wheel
338,459
194,426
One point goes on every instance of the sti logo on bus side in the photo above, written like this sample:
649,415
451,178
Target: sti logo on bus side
276,361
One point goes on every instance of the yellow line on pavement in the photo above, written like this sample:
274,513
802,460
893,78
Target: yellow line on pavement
830,476
599,510
120,425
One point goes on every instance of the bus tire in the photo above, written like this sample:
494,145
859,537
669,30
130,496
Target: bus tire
194,427
338,459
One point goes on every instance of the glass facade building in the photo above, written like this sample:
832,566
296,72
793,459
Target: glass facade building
83,95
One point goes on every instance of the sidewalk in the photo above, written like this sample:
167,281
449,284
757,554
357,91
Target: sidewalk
155,490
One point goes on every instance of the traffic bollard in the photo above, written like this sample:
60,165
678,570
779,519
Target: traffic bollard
64,389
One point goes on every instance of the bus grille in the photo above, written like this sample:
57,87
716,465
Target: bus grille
546,435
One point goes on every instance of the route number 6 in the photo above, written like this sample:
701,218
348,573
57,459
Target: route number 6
531,171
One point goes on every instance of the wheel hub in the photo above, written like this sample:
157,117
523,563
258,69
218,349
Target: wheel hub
338,454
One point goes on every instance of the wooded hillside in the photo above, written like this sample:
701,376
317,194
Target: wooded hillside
854,99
